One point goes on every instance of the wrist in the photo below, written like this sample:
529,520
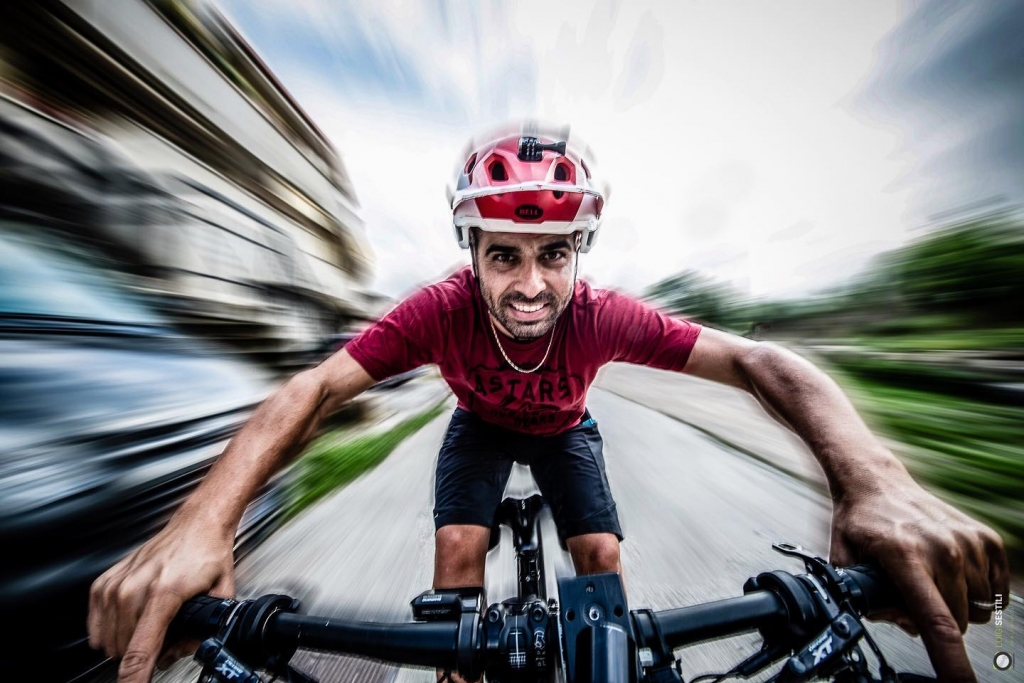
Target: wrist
867,474
206,520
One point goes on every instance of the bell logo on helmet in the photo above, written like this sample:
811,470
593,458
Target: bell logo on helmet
529,212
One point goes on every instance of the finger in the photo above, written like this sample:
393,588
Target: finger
225,586
952,589
979,614
980,602
998,566
898,617
840,553
146,643
94,620
108,613
939,629
976,579
131,601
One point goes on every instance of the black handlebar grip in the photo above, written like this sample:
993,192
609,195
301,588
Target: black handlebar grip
200,618
872,590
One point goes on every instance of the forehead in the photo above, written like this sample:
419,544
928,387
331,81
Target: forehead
521,241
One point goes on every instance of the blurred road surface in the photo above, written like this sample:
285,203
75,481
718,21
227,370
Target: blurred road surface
699,518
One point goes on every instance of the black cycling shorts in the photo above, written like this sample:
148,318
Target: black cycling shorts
476,459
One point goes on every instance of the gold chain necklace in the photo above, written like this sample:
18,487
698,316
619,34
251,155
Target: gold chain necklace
509,360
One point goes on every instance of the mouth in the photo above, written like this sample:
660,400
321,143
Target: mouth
528,312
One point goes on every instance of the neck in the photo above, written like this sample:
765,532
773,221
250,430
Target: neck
498,326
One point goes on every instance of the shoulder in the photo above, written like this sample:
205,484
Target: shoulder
597,302
455,292
451,294
588,296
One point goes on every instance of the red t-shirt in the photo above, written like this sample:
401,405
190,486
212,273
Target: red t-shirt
445,324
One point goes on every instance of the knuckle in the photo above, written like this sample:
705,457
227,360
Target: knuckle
125,593
134,666
942,627
901,547
109,594
993,541
96,590
951,555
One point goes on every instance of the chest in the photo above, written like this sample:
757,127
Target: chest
479,367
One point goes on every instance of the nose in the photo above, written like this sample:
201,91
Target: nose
531,284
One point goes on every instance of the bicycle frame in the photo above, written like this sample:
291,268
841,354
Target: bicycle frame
522,517
598,645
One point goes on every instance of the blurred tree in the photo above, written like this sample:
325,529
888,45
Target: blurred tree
696,296
975,269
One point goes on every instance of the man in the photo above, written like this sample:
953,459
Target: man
519,341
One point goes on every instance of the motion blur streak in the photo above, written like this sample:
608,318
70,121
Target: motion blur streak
175,234
178,233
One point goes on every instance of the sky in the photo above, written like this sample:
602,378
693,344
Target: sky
777,146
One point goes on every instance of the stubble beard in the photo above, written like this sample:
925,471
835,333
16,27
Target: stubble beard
520,330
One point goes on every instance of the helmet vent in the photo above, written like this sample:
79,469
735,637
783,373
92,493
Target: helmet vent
470,164
561,173
498,171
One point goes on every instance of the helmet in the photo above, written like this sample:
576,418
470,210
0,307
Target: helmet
526,183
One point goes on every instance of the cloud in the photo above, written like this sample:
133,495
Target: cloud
717,125
446,61
644,64
950,76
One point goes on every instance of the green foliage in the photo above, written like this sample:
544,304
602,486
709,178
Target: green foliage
333,460
975,269
695,296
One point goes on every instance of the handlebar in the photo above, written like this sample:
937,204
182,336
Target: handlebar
414,644
794,613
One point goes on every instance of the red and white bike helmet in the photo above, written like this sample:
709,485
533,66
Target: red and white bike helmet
527,183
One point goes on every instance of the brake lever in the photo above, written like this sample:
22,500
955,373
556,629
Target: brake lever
817,567
835,649
221,666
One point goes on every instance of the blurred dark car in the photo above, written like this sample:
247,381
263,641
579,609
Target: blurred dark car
109,419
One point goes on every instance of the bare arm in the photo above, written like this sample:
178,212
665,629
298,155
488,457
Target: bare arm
132,604
276,433
802,397
939,558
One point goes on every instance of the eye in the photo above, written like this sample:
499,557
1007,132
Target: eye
552,256
503,258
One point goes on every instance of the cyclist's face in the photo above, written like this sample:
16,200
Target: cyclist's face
526,280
